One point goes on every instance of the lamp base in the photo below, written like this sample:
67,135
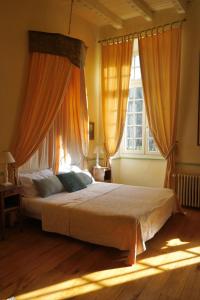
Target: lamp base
7,183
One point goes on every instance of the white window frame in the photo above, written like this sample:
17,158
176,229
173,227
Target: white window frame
144,153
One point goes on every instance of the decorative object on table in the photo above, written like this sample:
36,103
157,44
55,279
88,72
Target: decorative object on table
91,130
98,150
5,159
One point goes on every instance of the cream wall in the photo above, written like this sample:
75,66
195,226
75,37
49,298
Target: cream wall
188,156
139,171
16,18
151,172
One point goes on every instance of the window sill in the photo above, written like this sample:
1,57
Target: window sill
138,156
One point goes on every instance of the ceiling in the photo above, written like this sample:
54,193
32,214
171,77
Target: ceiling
116,12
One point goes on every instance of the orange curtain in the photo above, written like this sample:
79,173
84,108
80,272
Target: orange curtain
160,66
48,79
71,124
116,68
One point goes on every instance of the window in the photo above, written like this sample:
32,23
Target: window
137,135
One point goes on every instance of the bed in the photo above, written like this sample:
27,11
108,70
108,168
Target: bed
108,214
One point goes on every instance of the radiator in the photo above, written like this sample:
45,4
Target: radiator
188,189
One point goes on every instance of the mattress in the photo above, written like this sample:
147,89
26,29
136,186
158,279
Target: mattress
150,206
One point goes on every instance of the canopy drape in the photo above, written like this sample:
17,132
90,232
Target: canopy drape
48,80
160,67
116,68
71,124
56,79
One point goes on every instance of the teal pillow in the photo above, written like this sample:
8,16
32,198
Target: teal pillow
48,186
71,182
85,178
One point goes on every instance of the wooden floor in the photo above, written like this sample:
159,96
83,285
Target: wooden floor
38,265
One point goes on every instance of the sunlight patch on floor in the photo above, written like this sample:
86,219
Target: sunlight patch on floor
195,250
174,243
108,278
167,258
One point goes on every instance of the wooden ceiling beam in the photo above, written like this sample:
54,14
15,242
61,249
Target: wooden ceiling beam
96,6
180,6
142,8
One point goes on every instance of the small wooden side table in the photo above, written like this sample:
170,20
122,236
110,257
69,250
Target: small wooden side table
10,200
102,174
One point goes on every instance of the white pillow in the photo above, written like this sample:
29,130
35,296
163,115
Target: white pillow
26,180
46,173
68,169
75,169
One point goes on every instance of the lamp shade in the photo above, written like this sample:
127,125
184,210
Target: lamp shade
6,158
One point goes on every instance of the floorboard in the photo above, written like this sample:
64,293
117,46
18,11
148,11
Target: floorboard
39,265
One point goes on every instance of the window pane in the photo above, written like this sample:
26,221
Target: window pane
132,76
129,144
138,144
138,105
129,132
137,74
131,93
137,131
151,145
137,61
130,106
138,119
150,134
138,93
130,119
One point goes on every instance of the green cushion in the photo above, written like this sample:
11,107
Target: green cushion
71,182
48,186
85,178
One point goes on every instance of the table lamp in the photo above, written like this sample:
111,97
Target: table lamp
5,159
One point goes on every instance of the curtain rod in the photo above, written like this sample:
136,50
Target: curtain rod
132,35
70,17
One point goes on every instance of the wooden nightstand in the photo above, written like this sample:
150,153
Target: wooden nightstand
10,200
102,174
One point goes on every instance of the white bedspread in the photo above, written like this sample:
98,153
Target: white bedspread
108,214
